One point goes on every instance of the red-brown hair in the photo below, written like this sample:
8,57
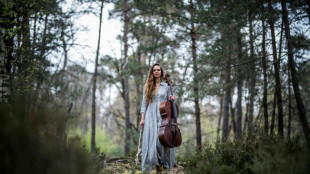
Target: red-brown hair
150,85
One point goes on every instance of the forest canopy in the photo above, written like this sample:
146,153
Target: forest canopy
239,71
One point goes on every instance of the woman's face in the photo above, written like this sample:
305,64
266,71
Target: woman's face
156,71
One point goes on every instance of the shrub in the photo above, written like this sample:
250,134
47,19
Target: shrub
260,154
33,140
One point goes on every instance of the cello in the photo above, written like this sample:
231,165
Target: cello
169,133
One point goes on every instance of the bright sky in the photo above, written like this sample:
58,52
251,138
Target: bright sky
84,53
89,38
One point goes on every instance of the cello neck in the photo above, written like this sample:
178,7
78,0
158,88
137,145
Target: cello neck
171,92
174,108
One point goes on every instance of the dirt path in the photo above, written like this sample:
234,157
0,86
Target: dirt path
124,165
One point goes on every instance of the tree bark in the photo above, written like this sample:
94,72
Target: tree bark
138,92
220,119
289,106
125,80
93,115
264,65
238,134
34,40
252,79
295,82
226,96
26,56
196,89
64,45
232,115
276,73
273,114
246,119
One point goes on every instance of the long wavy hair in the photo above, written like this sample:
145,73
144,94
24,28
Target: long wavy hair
150,85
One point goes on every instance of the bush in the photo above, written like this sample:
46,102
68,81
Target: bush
261,154
281,156
224,158
33,140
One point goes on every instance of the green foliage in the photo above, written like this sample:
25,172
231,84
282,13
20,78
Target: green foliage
264,154
104,143
185,150
278,156
34,141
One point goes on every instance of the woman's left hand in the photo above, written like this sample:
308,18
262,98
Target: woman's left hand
172,97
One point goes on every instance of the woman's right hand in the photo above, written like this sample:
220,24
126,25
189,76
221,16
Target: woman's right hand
141,122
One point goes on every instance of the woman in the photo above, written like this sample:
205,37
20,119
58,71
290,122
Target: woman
155,91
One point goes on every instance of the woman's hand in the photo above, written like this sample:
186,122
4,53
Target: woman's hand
142,120
172,97
141,123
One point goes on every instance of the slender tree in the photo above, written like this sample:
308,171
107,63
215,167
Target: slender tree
289,105
239,76
226,95
295,81
264,66
7,49
196,89
93,115
252,76
276,65
273,114
219,120
125,78
64,45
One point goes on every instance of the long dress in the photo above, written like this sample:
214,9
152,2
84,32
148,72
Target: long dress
153,153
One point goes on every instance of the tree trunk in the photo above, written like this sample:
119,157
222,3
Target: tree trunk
289,106
42,53
295,82
252,79
125,81
238,134
232,115
246,118
276,73
34,35
23,69
44,37
138,92
93,114
196,89
6,50
220,119
226,96
64,45
264,65
273,114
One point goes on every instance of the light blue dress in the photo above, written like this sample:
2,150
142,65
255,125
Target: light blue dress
153,153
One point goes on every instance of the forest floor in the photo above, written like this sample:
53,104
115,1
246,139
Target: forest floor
127,165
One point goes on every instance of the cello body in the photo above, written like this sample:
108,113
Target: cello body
169,133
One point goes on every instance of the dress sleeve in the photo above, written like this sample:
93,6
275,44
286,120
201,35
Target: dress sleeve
144,105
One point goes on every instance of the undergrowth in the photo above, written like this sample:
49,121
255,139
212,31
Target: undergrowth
33,140
260,154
